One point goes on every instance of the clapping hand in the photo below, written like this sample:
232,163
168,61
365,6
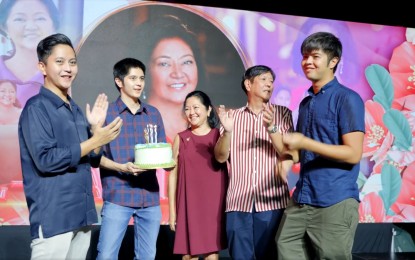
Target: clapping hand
269,115
108,133
226,118
97,115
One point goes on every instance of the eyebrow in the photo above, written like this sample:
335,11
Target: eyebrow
169,57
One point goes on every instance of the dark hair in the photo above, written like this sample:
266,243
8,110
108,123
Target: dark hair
341,30
213,118
158,28
7,5
254,71
325,41
45,46
122,67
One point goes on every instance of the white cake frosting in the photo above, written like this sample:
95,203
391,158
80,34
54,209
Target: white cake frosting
155,155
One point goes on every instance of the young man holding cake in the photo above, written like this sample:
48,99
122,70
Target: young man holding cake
128,190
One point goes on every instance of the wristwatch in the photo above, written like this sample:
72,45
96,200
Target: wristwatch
273,130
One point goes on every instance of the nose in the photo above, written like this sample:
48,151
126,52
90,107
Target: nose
190,111
308,60
177,71
139,82
30,24
67,66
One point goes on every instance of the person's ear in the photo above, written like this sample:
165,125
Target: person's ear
119,82
247,84
333,62
42,67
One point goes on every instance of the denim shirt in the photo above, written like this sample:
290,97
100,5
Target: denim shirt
325,117
57,181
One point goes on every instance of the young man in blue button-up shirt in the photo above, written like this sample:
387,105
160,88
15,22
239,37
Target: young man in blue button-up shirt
58,146
321,218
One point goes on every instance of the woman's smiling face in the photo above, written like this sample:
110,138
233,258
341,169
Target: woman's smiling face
28,23
173,70
7,94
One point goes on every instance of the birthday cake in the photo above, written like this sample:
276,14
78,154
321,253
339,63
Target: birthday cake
153,155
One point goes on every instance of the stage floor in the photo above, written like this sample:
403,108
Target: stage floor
15,244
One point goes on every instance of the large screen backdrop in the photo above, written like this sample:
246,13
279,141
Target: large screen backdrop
378,62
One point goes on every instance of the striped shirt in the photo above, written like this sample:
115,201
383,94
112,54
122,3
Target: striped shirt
253,160
122,188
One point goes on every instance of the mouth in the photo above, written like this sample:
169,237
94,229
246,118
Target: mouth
6,101
67,78
178,85
31,35
193,118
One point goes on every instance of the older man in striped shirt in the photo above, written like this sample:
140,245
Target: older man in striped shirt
251,141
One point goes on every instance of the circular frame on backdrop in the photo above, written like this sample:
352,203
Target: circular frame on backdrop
223,59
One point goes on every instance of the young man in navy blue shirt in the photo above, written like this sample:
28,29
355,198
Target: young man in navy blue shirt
58,146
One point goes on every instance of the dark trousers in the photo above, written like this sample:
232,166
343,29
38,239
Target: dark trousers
251,235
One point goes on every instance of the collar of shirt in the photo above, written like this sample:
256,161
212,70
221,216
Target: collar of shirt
56,101
121,106
329,86
246,107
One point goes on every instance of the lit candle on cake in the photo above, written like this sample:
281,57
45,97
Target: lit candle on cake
152,154
151,134
146,135
155,133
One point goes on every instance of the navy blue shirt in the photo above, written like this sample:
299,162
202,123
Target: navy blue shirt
57,181
122,188
325,117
